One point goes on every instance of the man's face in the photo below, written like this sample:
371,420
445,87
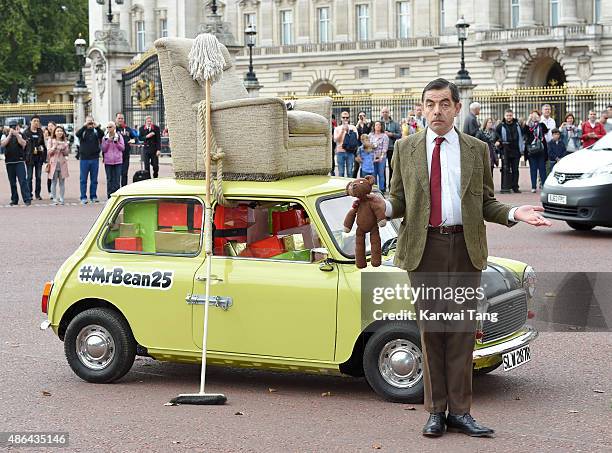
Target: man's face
592,116
120,119
89,121
418,110
508,116
546,111
35,123
440,110
362,117
148,122
476,110
345,117
385,113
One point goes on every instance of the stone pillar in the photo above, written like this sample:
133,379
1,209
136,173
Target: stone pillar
606,12
342,26
151,24
266,30
302,22
568,12
486,16
79,106
526,13
466,90
424,27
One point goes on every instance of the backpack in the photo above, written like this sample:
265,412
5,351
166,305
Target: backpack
350,142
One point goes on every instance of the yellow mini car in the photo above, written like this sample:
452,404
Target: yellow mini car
286,292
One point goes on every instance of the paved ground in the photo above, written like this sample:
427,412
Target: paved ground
561,401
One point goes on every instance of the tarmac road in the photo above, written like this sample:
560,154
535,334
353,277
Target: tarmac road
560,401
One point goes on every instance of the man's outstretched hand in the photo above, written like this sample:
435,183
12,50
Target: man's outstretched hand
531,215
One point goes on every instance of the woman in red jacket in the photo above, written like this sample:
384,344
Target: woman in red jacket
592,130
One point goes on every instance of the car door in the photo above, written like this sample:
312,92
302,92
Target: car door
280,306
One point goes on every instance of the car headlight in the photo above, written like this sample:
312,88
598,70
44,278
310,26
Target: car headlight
605,170
529,280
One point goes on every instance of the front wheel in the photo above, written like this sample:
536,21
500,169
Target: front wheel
580,226
99,345
393,363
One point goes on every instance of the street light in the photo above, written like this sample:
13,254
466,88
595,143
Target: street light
109,14
79,47
250,33
462,32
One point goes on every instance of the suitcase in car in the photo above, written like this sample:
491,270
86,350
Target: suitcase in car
141,174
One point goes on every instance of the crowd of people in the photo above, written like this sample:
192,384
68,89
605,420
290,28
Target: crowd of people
32,151
366,148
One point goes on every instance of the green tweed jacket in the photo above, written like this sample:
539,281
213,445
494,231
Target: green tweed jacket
410,198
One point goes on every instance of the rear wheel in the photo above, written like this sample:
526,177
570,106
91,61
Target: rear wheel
393,363
99,345
580,226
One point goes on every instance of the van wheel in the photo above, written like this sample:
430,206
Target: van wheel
581,226
393,363
99,345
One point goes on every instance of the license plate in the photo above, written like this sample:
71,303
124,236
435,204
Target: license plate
516,358
559,199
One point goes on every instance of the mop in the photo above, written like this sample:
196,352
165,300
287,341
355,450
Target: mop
206,66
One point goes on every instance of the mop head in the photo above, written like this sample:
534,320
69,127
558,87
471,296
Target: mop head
201,399
206,60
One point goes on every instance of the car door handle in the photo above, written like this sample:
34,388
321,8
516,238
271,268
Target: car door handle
224,302
213,278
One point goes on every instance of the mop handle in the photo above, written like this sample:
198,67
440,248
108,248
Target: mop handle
207,236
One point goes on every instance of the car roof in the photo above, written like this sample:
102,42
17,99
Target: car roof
297,186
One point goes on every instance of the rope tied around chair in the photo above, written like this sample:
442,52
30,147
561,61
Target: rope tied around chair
217,155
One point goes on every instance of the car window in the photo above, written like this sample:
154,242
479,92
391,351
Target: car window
333,210
264,230
156,226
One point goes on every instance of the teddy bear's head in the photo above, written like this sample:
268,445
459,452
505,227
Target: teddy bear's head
360,187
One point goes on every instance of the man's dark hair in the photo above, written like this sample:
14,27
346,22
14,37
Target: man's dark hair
34,117
508,111
555,131
441,84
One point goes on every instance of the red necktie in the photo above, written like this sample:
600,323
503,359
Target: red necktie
435,185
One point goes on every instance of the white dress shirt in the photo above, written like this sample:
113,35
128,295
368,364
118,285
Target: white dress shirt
550,124
450,166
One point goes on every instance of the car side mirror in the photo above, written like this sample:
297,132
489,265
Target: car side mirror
318,254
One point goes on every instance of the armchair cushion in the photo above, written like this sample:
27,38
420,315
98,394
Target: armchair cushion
306,123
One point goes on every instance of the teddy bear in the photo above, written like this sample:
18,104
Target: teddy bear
369,217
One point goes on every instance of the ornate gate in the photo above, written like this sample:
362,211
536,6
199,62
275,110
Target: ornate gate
141,92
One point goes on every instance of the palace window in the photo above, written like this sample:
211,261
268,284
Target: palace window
324,24
163,28
286,27
403,20
363,73
363,22
554,13
514,13
140,36
285,76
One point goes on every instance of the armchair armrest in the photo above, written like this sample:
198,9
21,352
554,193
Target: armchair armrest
321,106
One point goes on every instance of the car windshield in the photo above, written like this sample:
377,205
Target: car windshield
603,144
333,210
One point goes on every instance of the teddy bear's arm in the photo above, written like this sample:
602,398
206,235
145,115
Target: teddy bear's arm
349,220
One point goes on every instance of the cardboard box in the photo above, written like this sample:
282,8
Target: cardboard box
283,220
133,244
168,241
128,230
293,242
265,248
234,248
307,234
143,213
232,218
260,228
172,213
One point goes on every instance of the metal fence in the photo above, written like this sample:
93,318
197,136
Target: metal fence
522,101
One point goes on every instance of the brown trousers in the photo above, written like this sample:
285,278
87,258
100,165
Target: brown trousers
447,345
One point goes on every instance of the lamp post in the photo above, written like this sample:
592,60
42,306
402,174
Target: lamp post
109,14
250,33
462,31
79,47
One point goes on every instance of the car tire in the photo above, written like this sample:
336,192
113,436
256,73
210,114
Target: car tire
99,345
580,226
393,363
486,370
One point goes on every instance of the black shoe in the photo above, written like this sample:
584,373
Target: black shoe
516,191
28,203
38,197
467,425
435,425
13,203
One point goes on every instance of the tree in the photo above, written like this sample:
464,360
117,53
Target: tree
38,37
